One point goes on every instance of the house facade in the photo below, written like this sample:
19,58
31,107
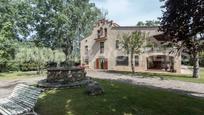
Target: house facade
102,50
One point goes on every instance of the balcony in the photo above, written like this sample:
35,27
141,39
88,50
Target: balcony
158,50
101,39
101,35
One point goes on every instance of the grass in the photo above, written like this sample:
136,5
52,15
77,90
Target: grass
17,75
119,99
169,76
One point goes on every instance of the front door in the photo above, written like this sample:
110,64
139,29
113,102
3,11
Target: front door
101,63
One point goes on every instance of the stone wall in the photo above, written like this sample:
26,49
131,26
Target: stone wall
65,75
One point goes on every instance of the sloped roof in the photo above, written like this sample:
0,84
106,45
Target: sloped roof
136,28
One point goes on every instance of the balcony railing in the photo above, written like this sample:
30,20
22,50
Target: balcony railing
99,39
158,49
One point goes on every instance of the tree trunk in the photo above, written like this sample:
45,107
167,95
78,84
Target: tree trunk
66,58
131,61
196,65
66,52
38,71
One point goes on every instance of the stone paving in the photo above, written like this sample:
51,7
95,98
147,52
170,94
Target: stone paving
6,86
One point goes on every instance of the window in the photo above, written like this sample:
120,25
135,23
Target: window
105,32
136,60
101,47
117,44
122,60
101,31
86,50
86,61
98,33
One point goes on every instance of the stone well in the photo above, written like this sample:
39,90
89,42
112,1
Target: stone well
64,77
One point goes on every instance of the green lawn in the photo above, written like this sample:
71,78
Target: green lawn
170,76
119,99
17,75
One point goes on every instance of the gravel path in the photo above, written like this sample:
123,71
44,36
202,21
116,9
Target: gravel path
194,89
6,86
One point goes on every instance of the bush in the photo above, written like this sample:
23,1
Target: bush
13,66
51,64
67,64
28,66
3,67
202,59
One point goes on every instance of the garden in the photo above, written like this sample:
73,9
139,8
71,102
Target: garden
47,43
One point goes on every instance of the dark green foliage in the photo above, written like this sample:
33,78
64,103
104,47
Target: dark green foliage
51,64
56,24
148,23
183,23
60,24
14,21
28,66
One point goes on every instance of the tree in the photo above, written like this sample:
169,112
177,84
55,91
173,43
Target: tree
7,46
140,23
148,23
60,24
14,26
132,43
18,14
37,56
183,22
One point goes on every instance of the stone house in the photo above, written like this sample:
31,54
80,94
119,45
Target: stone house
101,50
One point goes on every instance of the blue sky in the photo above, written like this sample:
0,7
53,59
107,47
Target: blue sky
129,12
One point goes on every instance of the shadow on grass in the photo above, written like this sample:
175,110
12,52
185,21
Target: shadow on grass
119,99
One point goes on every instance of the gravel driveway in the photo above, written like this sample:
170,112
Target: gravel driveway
6,86
194,89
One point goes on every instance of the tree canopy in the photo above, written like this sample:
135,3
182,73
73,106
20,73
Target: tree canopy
63,23
183,22
148,23
132,43
54,24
